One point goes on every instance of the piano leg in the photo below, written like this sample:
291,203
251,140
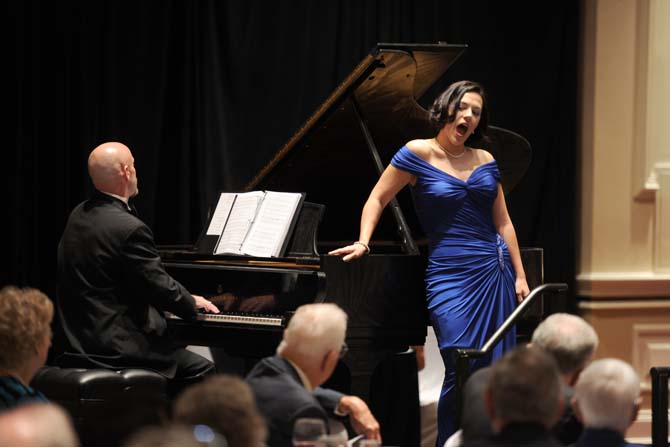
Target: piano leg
388,382
362,361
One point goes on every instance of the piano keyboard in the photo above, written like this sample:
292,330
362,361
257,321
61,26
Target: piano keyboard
235,318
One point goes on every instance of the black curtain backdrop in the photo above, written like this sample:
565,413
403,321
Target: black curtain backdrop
205,91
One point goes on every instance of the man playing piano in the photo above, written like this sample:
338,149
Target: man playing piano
113,287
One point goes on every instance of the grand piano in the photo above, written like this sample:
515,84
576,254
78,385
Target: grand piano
336,157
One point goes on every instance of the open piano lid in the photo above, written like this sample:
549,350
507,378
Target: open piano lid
337,155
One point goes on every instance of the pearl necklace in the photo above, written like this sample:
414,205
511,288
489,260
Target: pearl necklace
449,153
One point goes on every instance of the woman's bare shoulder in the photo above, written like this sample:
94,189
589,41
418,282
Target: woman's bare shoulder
483,155
420,147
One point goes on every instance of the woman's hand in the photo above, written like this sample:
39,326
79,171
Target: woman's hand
522,290
350,252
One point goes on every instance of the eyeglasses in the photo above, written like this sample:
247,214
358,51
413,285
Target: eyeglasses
343,350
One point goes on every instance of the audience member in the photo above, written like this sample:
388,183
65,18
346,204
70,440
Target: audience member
25,337
113,287
607,399
176,435
475,422
37,424
523,399
225,403
571,342
287,385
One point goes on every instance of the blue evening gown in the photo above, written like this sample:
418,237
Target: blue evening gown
469,278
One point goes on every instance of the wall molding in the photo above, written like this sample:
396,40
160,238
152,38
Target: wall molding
623,305
623,285
662,224
651,347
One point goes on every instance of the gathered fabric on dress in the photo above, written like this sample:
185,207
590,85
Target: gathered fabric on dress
469,278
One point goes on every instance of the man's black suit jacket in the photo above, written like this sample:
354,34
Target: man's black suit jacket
518,434
477,424
112,287
282,398
602,437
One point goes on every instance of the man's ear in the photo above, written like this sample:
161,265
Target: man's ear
329,361
125,171
636,410
491,411
575,408
573,379
488,403
560,408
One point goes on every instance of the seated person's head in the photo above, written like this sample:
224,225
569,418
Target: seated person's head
176,435
314,339
225,403
111,167
25,331
37,424
607,395
474,423
524,387
570,340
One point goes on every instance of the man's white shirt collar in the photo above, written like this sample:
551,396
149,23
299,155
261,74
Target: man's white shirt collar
123,199
303,377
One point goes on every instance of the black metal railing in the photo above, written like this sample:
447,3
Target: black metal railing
463,355
659,406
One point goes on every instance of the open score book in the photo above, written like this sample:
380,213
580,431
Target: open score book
256,223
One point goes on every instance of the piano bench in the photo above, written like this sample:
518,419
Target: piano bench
106,406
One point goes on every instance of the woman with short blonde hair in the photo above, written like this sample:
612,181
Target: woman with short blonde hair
25,338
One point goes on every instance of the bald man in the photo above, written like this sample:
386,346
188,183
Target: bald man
113,287
37,424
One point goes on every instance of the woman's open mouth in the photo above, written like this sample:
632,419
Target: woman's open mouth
461,129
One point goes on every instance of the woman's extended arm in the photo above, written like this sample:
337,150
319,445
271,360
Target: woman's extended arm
391,181
505,228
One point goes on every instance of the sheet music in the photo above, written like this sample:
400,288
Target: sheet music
240,219
221,214
271,226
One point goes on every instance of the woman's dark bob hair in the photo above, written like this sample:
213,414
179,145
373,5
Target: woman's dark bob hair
445,107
